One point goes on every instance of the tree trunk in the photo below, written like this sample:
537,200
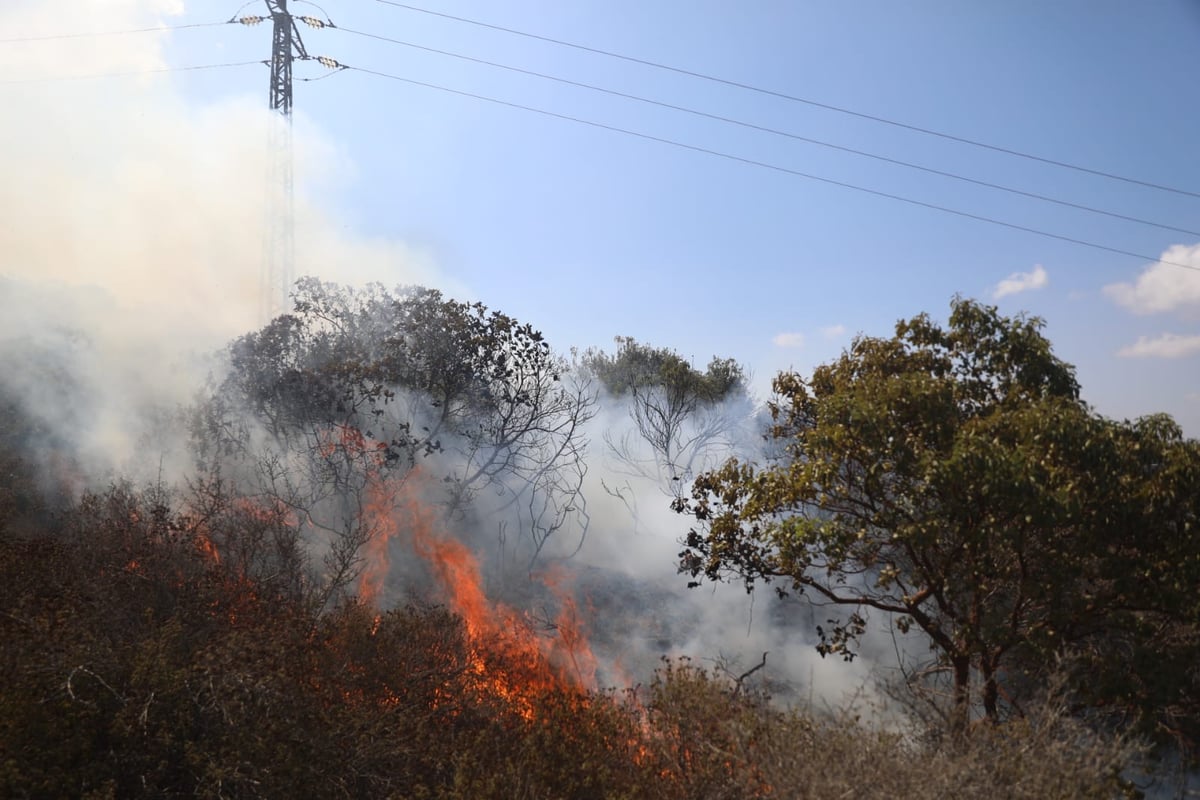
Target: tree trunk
991,691
960,719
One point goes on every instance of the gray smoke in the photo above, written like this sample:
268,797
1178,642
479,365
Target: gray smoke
131,227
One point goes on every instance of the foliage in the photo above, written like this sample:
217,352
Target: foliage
637,366
357,386
681,414
139,665
169,645
954,479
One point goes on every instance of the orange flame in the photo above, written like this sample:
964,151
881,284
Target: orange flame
571,647
207,548
383,528
511,659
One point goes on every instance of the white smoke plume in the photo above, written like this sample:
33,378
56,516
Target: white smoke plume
132,219
132,239
626,568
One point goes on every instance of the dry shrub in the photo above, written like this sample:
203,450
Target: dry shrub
136,666
714,740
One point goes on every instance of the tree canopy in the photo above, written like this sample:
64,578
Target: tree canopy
953,479
680,413
637,366
355,384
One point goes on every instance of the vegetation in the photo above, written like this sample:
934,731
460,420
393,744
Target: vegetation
681,415
138,665
215,641
637,366
954,479
357,385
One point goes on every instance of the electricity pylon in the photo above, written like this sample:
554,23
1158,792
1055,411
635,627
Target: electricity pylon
279,266
278,269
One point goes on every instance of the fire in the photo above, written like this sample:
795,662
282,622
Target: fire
369,455
571,647
510,658
207,548
266,511
383,528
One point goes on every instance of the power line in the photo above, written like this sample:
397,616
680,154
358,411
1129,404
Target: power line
130,73
775,167
663,140
795,99
776,132
114,33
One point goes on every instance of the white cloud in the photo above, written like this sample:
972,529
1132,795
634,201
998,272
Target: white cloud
1168,345
1163,287
789,340
833,331
1021,282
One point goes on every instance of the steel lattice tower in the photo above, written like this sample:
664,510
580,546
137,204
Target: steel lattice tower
278,266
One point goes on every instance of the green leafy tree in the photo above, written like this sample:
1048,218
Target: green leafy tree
954,479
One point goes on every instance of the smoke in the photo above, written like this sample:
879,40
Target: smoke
132,222
132,231
643,610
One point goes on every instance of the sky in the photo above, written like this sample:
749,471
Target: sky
147,188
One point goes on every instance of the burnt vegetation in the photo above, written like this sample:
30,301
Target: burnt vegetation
225,638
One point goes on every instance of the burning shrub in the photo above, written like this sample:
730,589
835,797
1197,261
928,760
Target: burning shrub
358,386
139,663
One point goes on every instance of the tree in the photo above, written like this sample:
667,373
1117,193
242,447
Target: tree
954,479
325,408
681,414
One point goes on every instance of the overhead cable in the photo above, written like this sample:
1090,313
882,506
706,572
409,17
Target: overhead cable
796,99
157,28
130,73
774,167
776,132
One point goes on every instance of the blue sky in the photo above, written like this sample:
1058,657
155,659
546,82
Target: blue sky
589,234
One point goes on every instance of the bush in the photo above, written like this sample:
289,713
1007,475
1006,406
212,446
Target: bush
138,665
